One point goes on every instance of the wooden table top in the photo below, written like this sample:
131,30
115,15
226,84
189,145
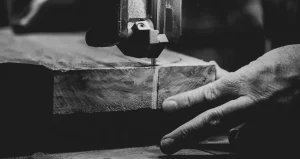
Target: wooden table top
65,51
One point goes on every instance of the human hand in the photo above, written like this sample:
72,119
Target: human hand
269,83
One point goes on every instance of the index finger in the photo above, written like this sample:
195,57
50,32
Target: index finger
202,95
205,124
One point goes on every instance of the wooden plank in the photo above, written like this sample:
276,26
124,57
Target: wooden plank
103,90
124,88
177,79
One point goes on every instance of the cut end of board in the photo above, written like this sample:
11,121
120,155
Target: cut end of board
125,89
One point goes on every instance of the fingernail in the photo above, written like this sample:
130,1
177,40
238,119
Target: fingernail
169,105
166,146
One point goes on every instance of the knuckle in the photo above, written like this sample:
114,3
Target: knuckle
189,98
214,117
234,84
213,63
210,92
184,131
189,129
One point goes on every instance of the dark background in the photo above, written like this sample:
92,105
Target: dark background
228,32
231,32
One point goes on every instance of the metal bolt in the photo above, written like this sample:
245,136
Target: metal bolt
141,25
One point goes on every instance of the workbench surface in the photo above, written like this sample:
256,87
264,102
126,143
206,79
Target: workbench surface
150,152
65,51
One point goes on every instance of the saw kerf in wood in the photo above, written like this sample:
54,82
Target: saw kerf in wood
125,89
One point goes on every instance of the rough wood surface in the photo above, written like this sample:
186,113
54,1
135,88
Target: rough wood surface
124,88
151,152
90,79
67,51
103,90
178,79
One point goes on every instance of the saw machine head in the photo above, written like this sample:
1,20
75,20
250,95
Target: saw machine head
139,28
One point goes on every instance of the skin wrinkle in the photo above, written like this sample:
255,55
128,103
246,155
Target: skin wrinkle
261,80
210,93
206,118
214,117
189,100
294,55
186,129
262,89
231,86
277,74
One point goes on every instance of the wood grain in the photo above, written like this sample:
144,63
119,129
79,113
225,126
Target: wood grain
174,80
124,89
103,90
